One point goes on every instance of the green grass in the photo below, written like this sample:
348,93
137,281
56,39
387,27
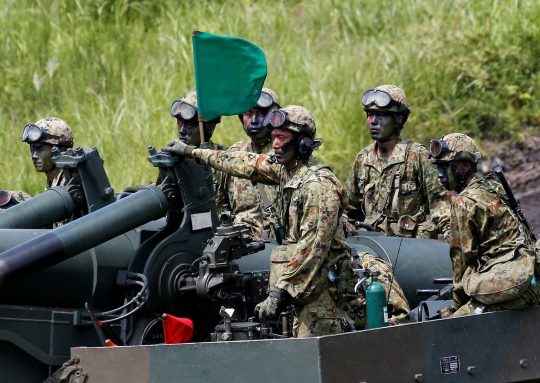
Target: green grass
112,68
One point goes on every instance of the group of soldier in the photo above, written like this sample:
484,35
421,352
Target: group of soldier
276,187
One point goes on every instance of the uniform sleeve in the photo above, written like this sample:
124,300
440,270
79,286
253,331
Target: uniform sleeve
321,212
467,222
355,195
438,197
256,167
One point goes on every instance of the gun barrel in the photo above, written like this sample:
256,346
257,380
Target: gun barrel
89,231
39,212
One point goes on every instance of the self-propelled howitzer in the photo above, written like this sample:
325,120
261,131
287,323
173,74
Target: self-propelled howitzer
188,268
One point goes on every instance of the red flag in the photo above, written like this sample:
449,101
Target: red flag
177,330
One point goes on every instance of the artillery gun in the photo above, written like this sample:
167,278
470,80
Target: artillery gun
131,272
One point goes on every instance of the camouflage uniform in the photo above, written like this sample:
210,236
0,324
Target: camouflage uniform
310,203
484,227
240,195
373,182
18,196
63,138
400,194
490,248
236,191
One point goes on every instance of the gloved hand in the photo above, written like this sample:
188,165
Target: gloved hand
267,308
179,148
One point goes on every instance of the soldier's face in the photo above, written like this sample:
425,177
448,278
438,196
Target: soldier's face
283,143
42,157
188,131
446,176
381,126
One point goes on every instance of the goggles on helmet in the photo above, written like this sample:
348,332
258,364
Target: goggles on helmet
278,119
378,97
33,133
6,198
265,100
438,149
181,109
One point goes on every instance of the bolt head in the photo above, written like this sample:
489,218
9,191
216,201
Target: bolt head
524,362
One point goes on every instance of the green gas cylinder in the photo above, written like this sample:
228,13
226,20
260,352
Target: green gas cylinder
377,311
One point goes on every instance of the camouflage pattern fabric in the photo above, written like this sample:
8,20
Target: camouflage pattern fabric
320,317
483,227
17,195
398,307
58,180
243,200
310,206
370,184
59,128
244,197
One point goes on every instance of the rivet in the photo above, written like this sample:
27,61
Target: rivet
524,362
419,377
471,370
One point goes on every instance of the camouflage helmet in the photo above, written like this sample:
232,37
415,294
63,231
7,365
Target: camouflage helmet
191,98
454,147
274,105
11,198
58,129
398,104
275,99
301,119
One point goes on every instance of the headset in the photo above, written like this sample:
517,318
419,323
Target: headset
306,145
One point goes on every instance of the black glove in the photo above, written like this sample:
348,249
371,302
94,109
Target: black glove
179,148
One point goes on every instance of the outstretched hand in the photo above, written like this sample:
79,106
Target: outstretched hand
179,148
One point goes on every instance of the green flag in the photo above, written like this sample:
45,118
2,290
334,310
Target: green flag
229,74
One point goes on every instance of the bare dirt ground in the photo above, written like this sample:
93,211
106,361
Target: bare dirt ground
521,165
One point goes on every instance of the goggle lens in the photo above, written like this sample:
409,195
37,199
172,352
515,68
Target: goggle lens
437,148
32,133
377,97
5,198
182,109
265,100
275,118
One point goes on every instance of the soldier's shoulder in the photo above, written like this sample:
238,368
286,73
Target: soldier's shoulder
364,153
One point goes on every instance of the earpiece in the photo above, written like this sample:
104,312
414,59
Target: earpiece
305,146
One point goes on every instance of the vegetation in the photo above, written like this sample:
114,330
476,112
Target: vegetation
111,69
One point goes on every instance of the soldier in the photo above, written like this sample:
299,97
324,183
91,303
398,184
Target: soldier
233,190
244,202
490,248
11,198
392,186
42,137
311,199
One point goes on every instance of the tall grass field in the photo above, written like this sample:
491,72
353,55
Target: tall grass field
111,69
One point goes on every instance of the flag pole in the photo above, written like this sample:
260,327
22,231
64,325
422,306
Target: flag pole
200,119
201,129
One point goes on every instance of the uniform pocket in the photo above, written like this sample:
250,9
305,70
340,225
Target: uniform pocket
500,279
